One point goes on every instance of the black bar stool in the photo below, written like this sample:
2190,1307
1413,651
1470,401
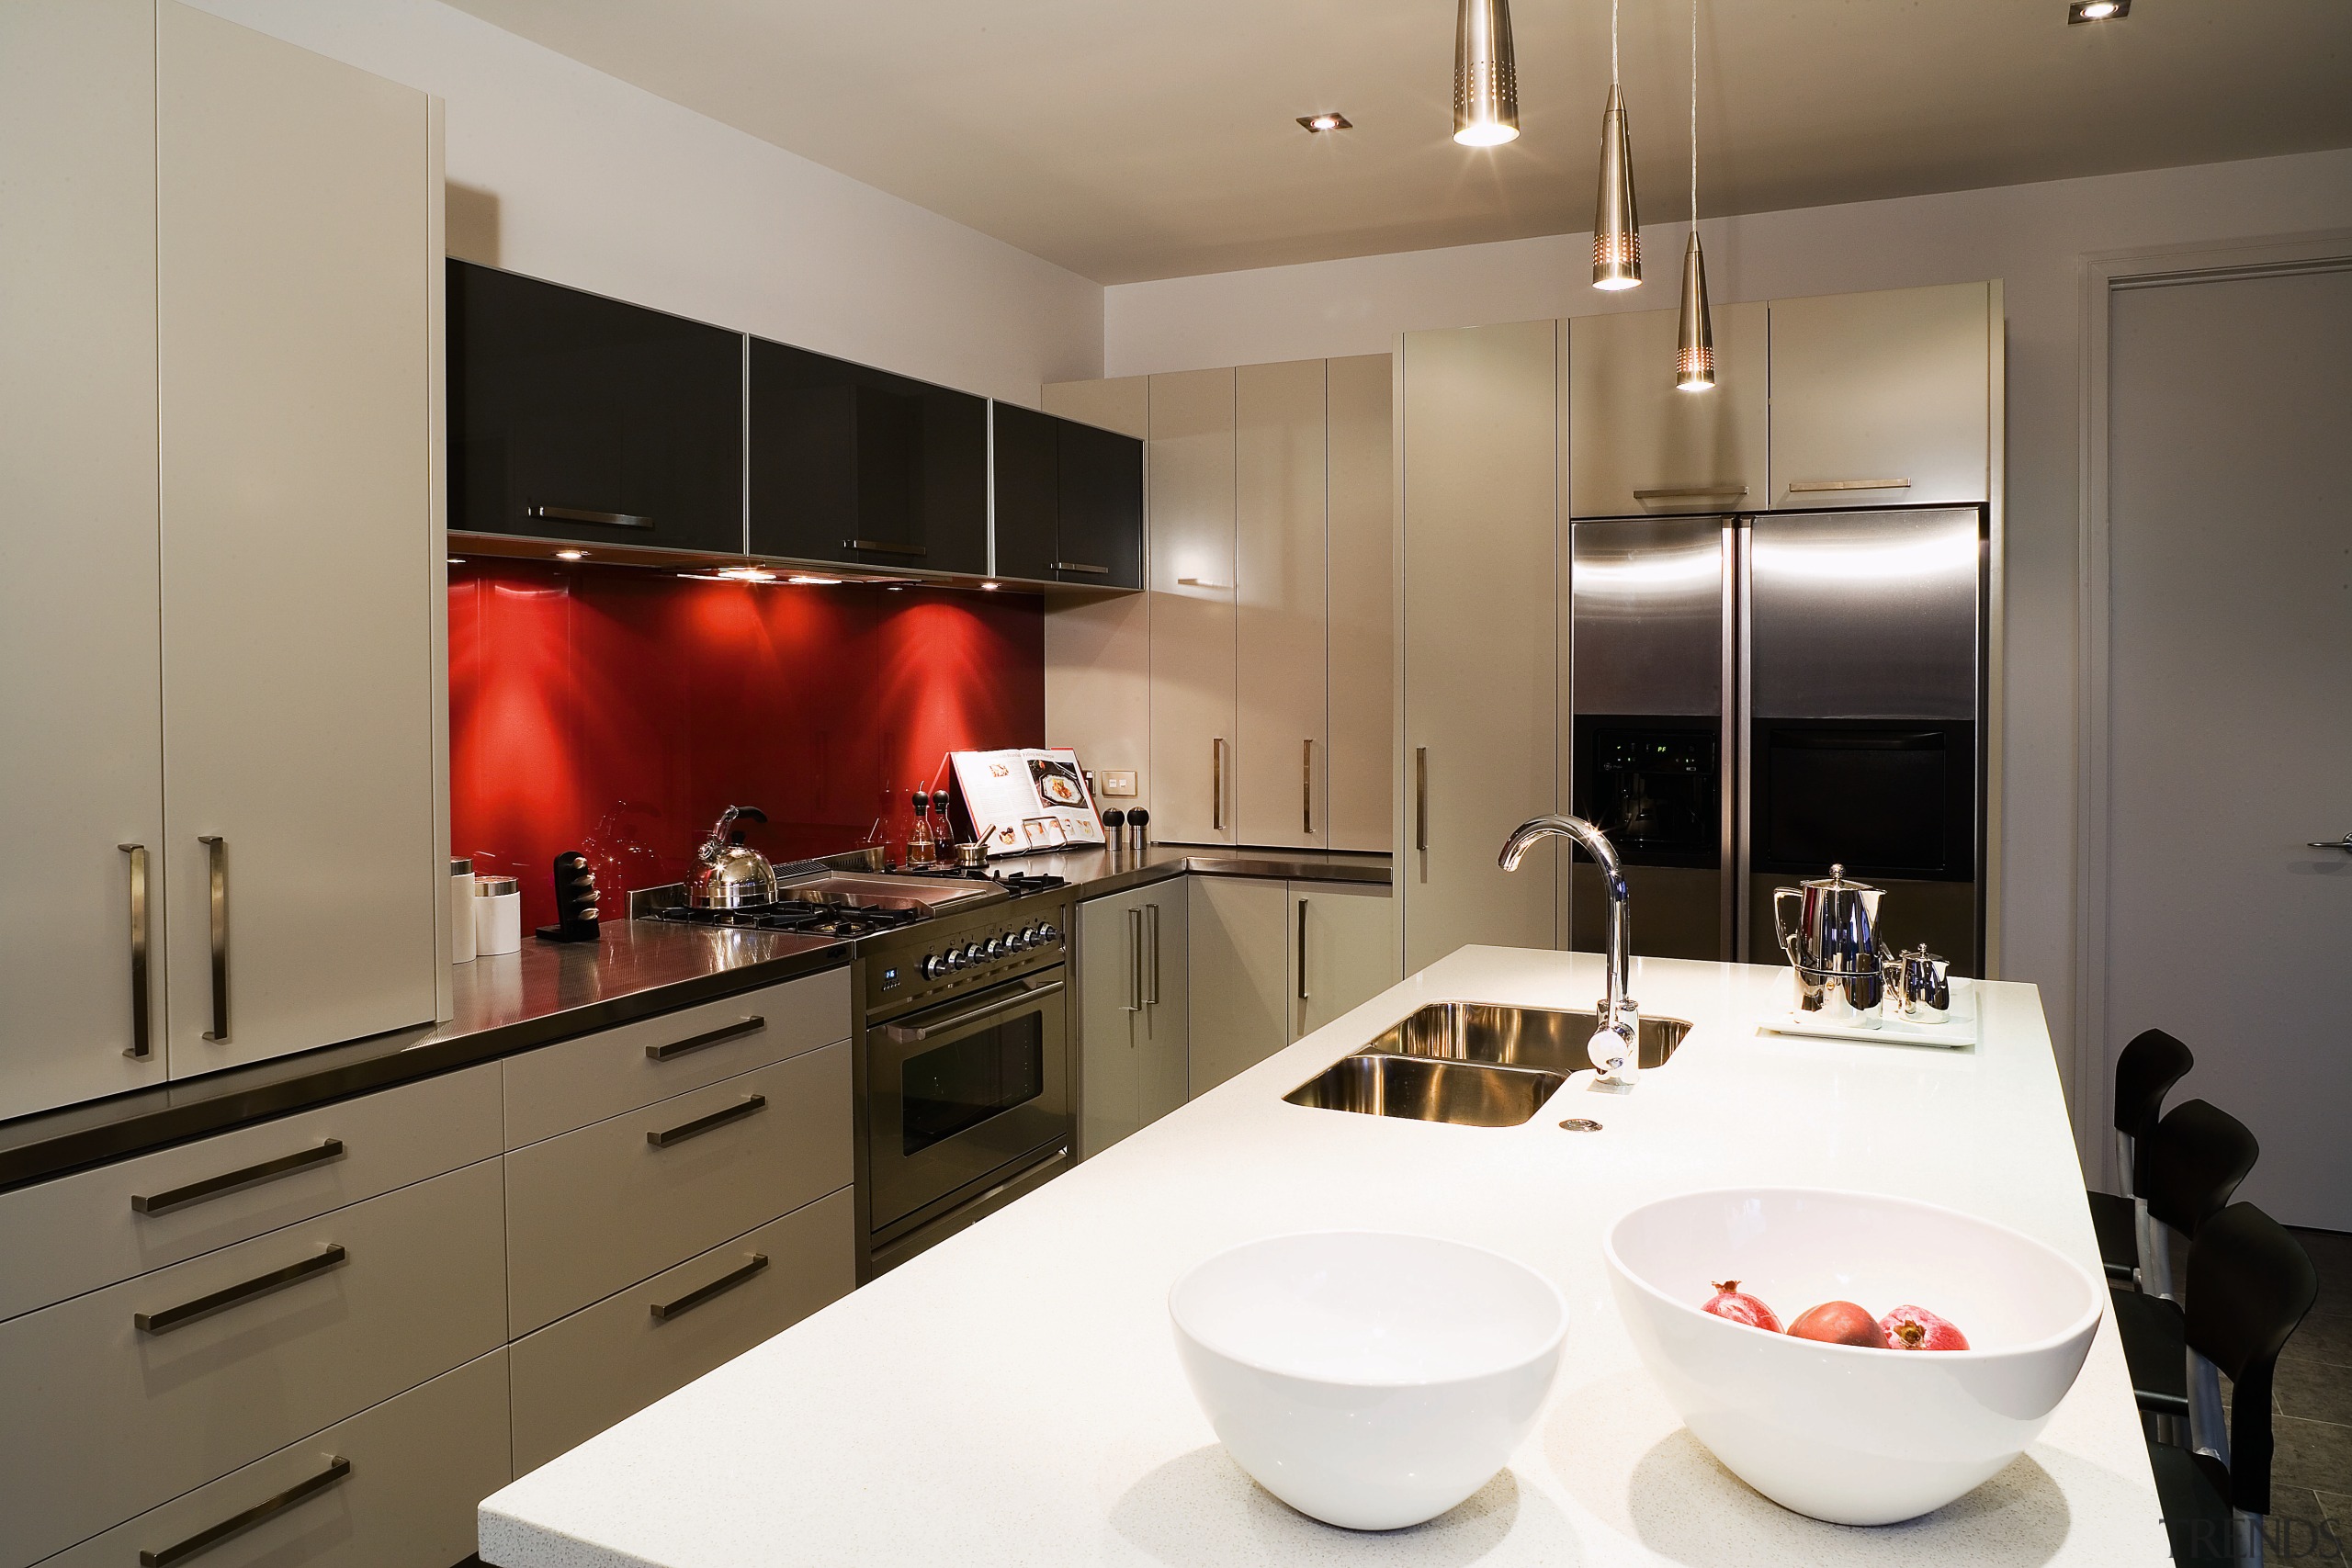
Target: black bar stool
2196,1160
2250,1285
2144,1074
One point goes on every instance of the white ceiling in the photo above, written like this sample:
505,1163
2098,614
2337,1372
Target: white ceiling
1138,138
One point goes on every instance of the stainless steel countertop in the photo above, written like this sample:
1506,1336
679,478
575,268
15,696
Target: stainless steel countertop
1096,874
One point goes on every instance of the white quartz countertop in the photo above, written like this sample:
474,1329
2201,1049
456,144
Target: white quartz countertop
1014,1395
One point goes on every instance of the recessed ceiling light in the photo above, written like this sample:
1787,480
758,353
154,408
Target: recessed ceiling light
2097,10
1331,120
571,555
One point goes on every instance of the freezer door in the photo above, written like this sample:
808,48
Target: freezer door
1865,614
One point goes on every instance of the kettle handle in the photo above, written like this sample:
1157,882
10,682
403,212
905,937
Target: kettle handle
1788,937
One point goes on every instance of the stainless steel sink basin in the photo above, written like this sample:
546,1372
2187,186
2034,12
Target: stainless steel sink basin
1468,1094
1519,1037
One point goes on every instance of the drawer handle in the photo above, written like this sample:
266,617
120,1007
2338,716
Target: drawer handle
237,1295
740,1027
1078,565
664,1311
575,515
1802,487
231,1181
884,548
237,1524
702,1124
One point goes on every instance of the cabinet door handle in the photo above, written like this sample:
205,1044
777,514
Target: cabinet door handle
1134,960
1217,784
1803,487
142,1043
1420,797
1078,565
701,1124
574,514
1302,950
751,1024
883,547
1151,919
205,1540
330,1257
235,1180
1306,789
1693,493
664,1311
216,863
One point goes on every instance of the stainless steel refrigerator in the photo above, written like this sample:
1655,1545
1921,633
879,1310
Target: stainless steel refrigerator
1755,698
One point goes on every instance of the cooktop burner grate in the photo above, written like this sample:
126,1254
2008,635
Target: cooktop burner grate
792,915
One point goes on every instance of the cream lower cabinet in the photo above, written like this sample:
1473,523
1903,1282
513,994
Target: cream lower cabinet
217,415
1274,961
1480,628
1134,1012
1885,399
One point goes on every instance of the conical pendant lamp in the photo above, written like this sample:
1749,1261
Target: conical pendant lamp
1616,227
1694,346
1486,79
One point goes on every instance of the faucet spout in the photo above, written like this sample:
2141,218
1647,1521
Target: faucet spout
1619,1011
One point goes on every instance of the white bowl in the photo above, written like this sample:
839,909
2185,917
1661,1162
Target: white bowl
1852,1434
1368,1379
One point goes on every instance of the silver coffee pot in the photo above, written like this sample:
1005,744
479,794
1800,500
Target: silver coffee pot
1834,945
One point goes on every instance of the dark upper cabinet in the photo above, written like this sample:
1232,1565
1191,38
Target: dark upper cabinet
1028,495
579,418
864,467
1069,502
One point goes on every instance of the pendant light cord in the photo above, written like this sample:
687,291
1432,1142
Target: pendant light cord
1613,42
1694,114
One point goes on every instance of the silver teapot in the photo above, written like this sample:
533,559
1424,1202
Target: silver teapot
1834,946
732,876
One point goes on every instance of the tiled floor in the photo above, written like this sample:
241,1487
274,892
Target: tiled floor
2310,1476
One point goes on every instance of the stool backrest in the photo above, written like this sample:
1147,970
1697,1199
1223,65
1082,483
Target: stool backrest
2196,1160
2144,1074
2249,1284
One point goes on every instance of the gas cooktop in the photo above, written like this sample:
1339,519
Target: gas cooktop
847,904
802,916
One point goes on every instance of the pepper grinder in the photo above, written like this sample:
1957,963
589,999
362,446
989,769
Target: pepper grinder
1137,820
1114,829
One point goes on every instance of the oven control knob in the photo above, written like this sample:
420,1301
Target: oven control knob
1015,941
996,948
972,953
955,959
1049,933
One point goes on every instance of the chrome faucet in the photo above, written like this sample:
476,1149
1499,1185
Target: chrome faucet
1615,1045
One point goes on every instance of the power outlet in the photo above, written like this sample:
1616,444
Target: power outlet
1117,782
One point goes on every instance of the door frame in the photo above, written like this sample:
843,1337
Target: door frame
2103,274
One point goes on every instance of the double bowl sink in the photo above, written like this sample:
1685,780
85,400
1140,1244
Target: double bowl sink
1473,1064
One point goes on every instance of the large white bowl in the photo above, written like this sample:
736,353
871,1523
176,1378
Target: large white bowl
1368,1379
1851,1435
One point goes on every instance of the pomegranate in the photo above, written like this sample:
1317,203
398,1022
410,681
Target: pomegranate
1730,1301
1839,1322
1916,1329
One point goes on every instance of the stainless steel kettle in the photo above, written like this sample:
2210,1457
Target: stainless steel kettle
1834,946
733,875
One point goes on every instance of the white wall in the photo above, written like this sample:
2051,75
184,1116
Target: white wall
2033,237
563,173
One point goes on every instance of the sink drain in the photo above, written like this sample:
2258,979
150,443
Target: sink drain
1581,1124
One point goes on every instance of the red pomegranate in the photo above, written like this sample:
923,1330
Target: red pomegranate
1730,1301
1916,1329
1839,1322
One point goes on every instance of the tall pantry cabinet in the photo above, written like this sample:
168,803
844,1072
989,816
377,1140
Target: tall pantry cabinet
220,587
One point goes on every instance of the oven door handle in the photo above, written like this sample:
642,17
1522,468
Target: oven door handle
904,1034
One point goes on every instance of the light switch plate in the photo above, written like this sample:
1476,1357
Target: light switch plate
1117,782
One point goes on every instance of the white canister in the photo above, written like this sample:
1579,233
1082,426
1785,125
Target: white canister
498,915
461,911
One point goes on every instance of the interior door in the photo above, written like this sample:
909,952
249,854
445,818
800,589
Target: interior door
80,767
1481,629
1281,757
2230,749
300,563
1191,478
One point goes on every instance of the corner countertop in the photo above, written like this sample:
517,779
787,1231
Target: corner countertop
1014,1395
503,1003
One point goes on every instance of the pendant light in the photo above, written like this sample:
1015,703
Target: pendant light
1486,79
1616,228
1694,348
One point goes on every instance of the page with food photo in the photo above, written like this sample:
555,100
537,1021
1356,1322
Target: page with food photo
1024,801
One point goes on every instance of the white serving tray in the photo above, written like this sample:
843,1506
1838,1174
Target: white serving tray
1960,1032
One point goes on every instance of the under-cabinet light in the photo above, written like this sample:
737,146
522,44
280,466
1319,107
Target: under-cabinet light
571,555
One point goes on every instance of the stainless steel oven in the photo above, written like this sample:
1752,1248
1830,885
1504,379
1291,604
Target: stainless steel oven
964,1067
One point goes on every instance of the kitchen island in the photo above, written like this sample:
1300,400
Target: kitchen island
1014,1395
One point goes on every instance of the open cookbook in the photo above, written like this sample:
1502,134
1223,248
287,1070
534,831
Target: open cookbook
1026,800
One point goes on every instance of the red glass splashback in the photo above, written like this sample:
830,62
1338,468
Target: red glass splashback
618,711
